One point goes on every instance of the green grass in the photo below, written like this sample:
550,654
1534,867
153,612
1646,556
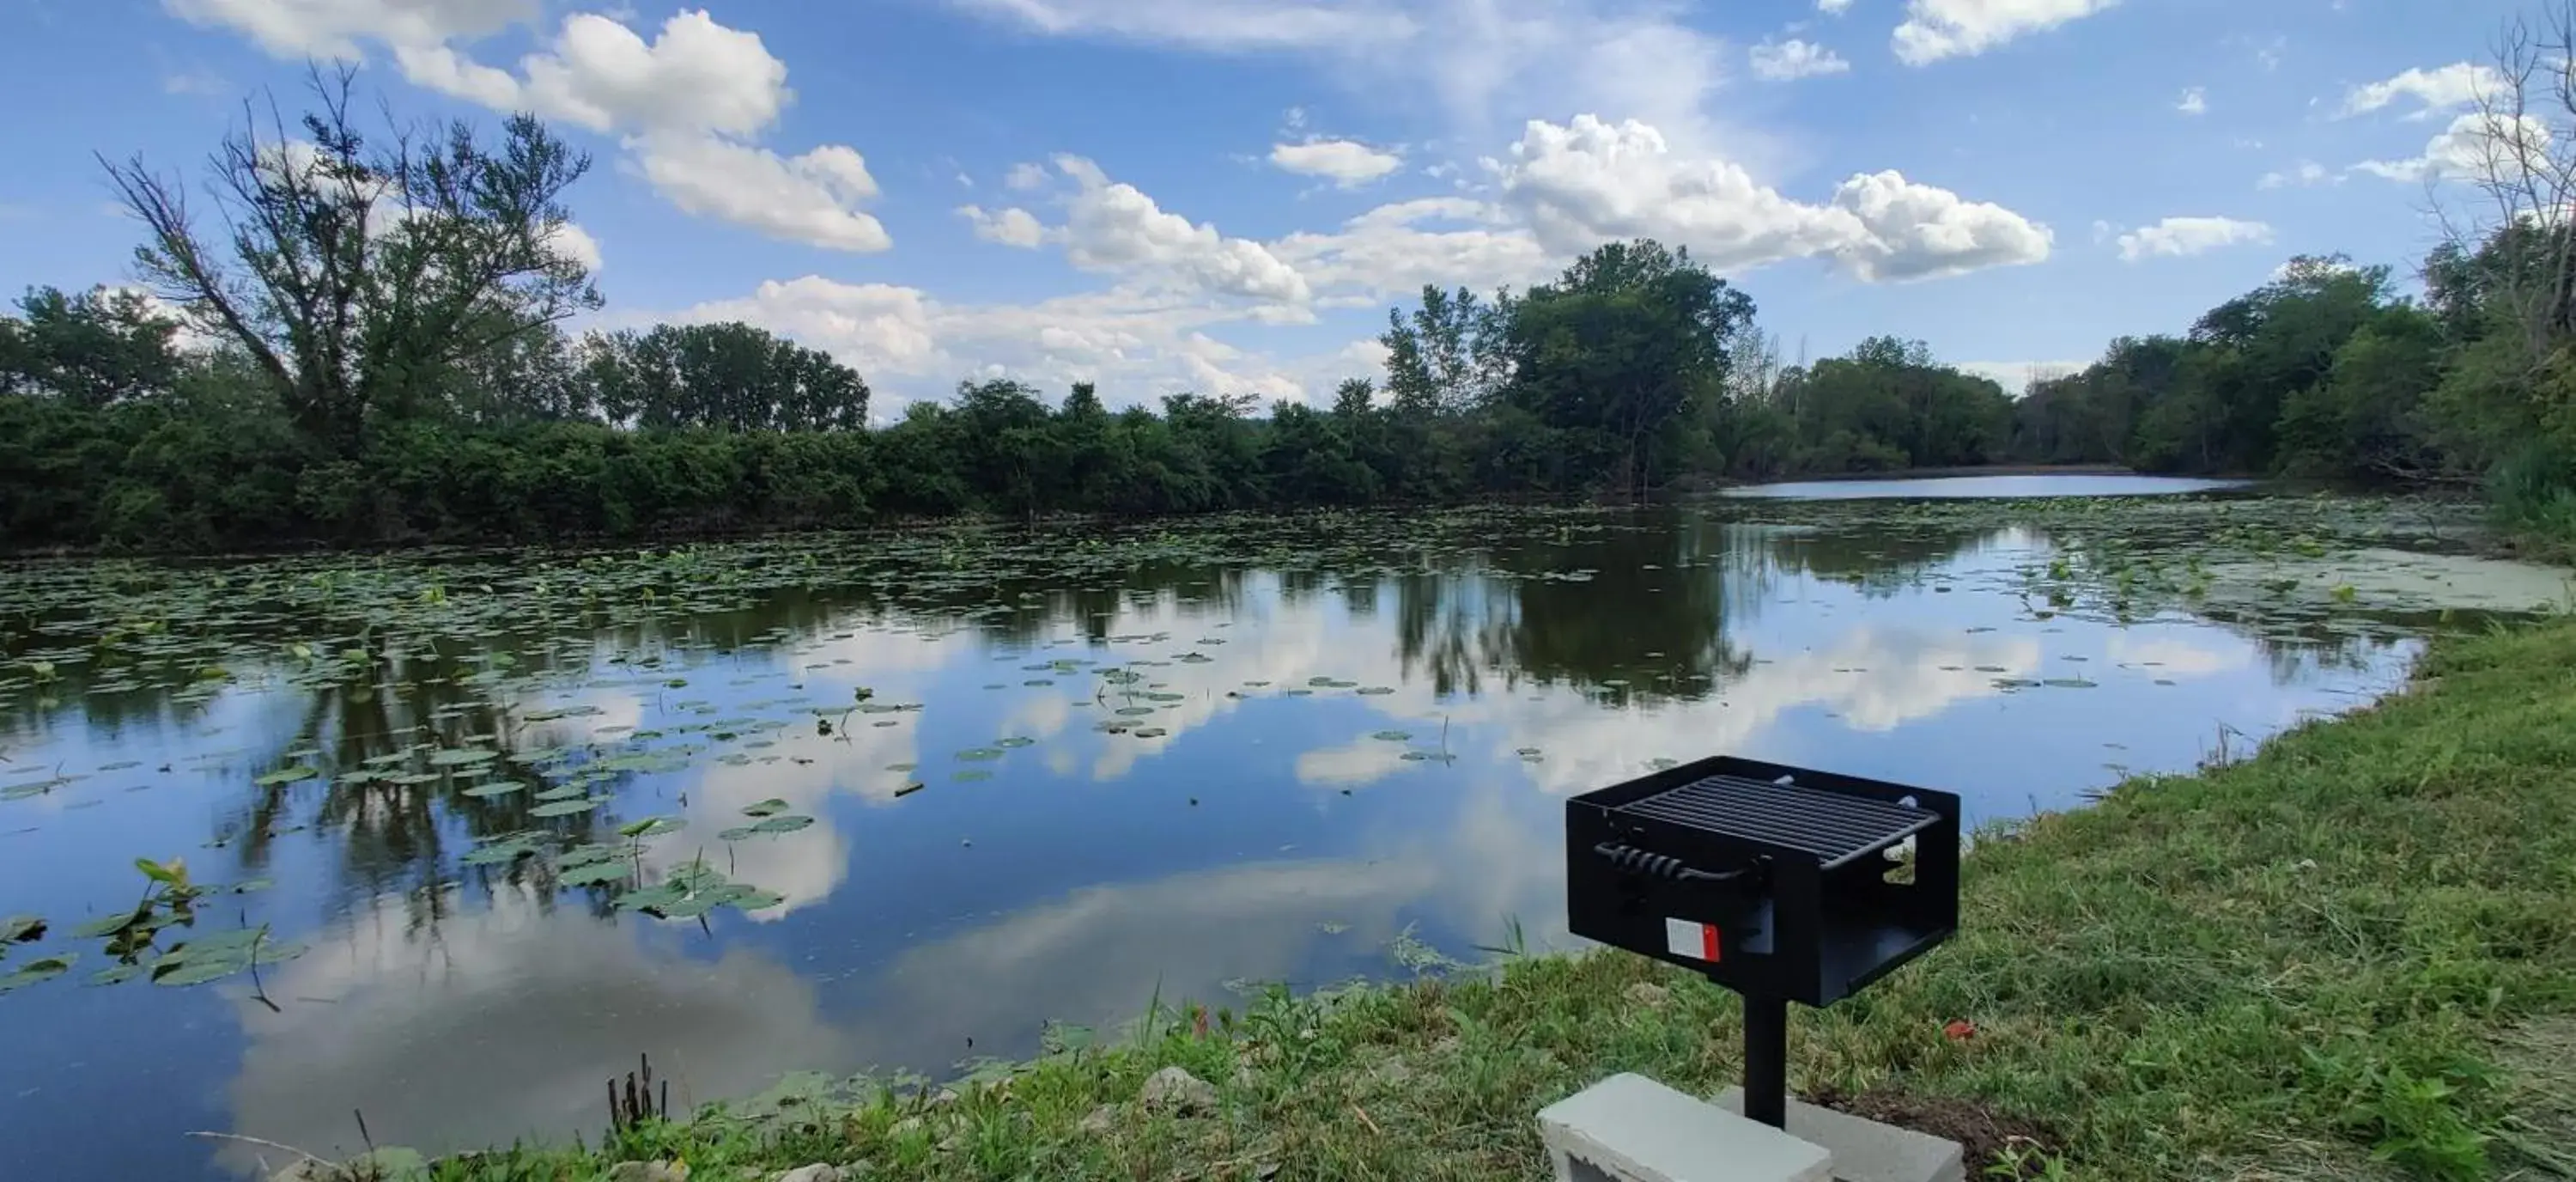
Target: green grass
2333,960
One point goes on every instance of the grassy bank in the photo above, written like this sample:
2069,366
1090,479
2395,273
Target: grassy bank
2351,956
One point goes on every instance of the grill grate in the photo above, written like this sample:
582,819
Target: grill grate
1830,825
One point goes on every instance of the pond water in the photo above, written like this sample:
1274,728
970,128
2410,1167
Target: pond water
993,779
2022,485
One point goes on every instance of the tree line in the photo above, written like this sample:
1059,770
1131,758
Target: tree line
373,350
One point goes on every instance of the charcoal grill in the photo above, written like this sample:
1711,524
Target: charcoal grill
1773,881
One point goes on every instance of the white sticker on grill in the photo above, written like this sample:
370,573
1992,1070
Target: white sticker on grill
1695,940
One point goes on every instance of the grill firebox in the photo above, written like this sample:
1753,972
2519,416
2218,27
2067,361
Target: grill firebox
1772,881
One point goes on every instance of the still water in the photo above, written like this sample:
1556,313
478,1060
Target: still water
1046,778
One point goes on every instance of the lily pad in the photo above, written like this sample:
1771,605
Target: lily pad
565,808
788,823
593,874
43,968
109,925
1394,736
497,855
767,808
286,775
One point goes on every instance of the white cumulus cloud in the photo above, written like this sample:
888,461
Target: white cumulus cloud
2441,88
2470,147
575,243
1114,227
1347,163
1937,29
1393,250
1914,231
813,198
1010,227
1793,59
2194,101
694,75
2305,172
337,28
689,105
2176,237
1591,181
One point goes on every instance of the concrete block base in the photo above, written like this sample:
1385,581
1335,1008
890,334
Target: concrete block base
1628,1128
1865,1150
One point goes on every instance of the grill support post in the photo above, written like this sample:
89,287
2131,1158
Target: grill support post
1766,1059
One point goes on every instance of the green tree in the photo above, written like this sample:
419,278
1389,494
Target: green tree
95,349
728,377
1616,354
2365,420
354,275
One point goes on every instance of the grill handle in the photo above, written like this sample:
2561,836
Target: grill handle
1629,859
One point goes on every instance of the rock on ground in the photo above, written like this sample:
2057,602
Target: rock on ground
649,1171
1175,1090
818,1172
1101,1120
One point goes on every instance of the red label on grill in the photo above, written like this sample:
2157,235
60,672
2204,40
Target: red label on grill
1696,940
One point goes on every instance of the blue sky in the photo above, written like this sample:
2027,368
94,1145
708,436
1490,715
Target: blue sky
1226,195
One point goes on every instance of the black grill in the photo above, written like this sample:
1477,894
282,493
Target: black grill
1773,881
1836,829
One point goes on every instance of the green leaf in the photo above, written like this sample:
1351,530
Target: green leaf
586,854
497,855
109,925
652,898
592,874
564,808
767,808
186,971
788,823
43,968
19,929
286,775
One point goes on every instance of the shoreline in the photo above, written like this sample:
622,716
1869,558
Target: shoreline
2348,956
292,547
1974,470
